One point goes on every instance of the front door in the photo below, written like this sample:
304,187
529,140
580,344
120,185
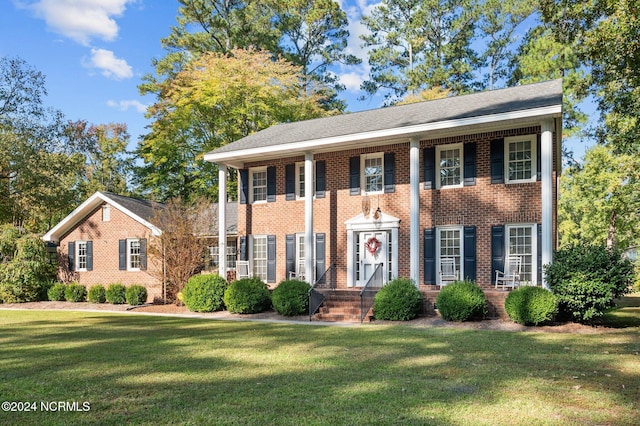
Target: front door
371,251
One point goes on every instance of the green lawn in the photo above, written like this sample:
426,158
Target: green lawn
160,370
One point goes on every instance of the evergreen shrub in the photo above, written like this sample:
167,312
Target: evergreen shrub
75,293
531,305
461,301
116,294
136,295
56,292
291,298
97,294
247,296
204,293
399,300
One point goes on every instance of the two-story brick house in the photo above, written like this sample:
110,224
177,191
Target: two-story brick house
471,178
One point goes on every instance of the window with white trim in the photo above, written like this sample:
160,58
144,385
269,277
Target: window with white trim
449,163
133,255
258,185
372,172
81,255
106,213
522,242
259,256
520,158
449,244
300,180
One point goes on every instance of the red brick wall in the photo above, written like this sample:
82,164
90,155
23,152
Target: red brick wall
105,237
482,205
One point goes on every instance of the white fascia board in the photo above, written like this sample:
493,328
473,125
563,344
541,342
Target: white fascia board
232,157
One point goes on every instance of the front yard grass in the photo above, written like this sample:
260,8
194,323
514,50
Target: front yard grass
166,370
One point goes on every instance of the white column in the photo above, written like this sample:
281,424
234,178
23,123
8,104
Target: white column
414,206
547,194
308,217
222,220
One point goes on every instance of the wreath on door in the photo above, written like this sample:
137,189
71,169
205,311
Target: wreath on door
372,245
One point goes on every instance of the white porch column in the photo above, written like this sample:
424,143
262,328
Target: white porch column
308,217
222,220
414,205
547,194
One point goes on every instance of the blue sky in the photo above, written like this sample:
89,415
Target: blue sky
95,52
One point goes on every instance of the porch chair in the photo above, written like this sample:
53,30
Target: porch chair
300,274
448,271
510,277
242,269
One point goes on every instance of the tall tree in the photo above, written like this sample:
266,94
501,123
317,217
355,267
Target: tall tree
217,99
420,44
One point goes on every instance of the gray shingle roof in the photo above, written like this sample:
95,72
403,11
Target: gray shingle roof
143,208
467,106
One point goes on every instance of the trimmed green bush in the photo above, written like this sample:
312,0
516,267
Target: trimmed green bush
136,295
461,301
399,300
204,293
584,300
291,298
116,294
97,294
531,305
56,292
247,296
75,293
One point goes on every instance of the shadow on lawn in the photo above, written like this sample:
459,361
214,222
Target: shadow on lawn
176,370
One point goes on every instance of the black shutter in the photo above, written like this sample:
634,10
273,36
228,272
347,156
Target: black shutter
271,184
430,256
89,255
143,254
389,172
497,161
320,254
271,258
321,178
469,164
242,249
497,250
122,255
429,163
539,260
290,253
538,157
71,256
244,186
290,182
469,268
354,175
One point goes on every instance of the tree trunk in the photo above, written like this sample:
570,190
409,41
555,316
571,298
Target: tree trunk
612,229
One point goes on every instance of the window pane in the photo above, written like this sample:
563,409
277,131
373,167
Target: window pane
521,244
301,183
450,245
450,167
520,160
134,254
259,185
373,174
82,255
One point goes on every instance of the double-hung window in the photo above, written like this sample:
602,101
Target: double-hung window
301,180
373,173
259,252
81,255
449,163
521,242
520,156
449,246
133,255
258,181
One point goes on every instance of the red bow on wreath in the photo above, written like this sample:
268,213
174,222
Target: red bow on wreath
372,245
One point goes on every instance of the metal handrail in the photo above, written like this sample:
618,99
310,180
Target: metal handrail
319,291
369,291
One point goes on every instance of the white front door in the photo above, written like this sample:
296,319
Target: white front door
371,251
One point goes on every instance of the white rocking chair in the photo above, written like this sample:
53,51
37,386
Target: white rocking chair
448,272
300,274
242,269
510,277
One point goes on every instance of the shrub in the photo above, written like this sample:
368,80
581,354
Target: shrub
531,305
56,292
75,293
575,268
97,294
247,296
136,295
399,300
461,301
204,293
584,300
291,298
116,294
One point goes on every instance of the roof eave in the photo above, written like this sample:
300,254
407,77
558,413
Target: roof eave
427,130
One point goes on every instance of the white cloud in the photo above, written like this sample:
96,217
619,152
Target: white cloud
126,105
111,66
80,20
